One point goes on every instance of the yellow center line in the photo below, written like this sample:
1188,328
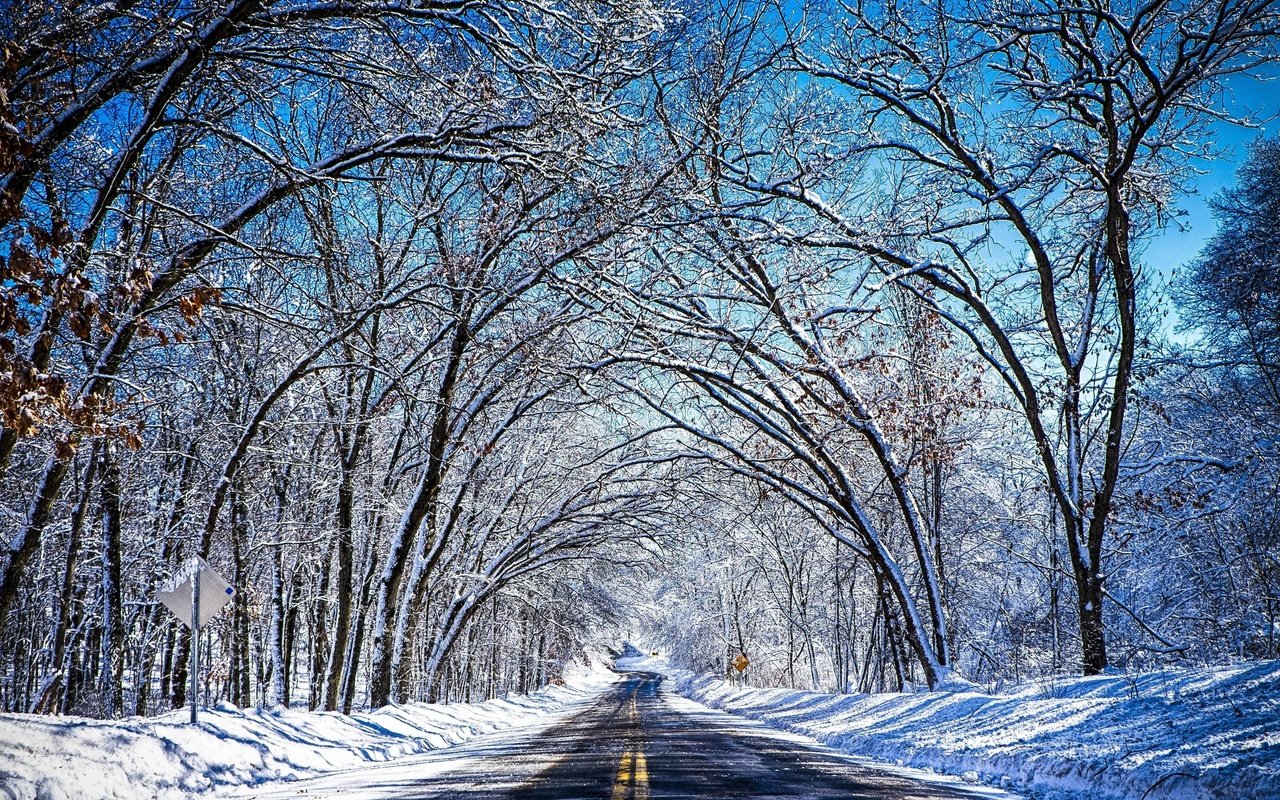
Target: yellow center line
623,781
633,770
642,778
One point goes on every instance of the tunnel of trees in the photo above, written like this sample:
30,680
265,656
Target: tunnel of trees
463,335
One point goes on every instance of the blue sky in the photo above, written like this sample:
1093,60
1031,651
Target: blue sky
1252,96
1257,96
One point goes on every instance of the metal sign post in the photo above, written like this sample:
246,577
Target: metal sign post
207,594
195,645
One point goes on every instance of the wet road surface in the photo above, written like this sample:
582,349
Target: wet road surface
634,743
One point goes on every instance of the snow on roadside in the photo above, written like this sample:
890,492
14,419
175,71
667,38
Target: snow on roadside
74,758
1209,734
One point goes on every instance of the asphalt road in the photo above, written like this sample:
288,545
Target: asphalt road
635,743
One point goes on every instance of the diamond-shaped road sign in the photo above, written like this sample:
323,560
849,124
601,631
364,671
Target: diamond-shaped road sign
215,592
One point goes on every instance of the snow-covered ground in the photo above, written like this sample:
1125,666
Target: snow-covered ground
73,758
1175,735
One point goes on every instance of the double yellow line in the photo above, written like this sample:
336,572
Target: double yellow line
633,777
632,780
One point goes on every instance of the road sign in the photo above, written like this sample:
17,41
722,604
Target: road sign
195,593
177,594
740,662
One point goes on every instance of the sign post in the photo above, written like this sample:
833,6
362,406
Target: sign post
207,593
195,644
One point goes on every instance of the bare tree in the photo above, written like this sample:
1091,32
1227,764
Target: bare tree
1029,149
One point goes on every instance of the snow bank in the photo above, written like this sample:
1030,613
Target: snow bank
52,758
1177,735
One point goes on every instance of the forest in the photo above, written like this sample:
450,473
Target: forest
837,338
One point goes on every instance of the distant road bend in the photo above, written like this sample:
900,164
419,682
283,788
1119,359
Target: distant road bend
633,743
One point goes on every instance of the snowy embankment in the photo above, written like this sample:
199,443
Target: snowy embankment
1176,735
52,758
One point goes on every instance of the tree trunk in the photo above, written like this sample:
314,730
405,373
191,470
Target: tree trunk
112,659
1093,640
240,670
27,544
62,623
278,693
319,634
357,639
289,645
345,589
386,632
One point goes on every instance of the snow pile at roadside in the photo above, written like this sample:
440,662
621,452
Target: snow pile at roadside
1175,735
52,758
